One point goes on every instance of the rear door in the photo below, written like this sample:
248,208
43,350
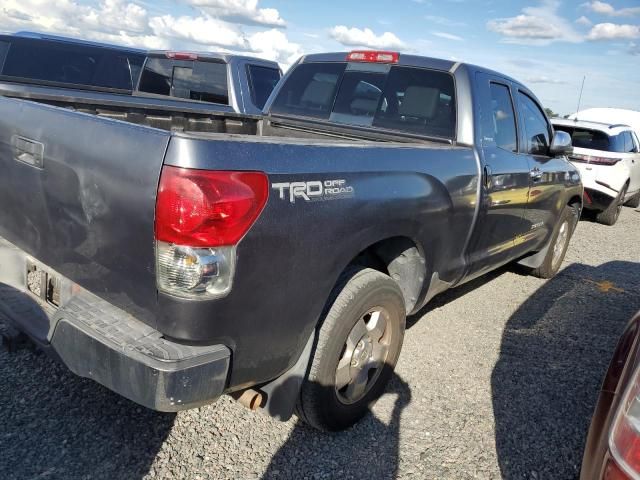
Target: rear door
548,174
505,183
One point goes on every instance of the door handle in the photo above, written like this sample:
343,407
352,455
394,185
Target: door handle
487,177
536,174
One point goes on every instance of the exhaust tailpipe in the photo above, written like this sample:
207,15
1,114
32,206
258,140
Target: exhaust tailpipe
250,398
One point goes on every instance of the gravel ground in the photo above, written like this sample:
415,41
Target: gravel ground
496,379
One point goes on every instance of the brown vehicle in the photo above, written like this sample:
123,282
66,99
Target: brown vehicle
612,451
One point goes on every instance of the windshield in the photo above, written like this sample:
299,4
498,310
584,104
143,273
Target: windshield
404,99
593,139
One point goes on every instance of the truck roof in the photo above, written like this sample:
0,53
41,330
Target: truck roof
410,61
60,38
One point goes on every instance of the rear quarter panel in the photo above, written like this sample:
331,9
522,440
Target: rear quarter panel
292,257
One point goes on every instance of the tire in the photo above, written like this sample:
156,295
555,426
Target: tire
612,213
363,298
559,244
634,202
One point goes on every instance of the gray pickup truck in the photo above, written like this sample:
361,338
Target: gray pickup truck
46,66
174,259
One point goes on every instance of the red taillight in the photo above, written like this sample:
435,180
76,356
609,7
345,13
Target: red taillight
373,56
181,56
201,208
603,160
594,160
612,472
624,440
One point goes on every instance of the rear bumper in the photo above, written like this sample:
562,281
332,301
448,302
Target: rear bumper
602,183
97,340
597,199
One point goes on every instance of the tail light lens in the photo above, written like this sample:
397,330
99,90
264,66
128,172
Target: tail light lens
594,160
201,216
624,440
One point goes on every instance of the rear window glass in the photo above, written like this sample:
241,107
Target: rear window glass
68,63
593,139
193,80
262,80
405,99
4,48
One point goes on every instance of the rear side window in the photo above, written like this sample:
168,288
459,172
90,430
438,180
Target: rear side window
629,146
262,81
535,126
503,119
193,80
68,63
405,99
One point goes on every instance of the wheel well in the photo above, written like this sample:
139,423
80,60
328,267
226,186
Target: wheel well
402,260
575,200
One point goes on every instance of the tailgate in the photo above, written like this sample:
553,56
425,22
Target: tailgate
77,192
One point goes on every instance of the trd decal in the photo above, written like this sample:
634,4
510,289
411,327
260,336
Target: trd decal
314,191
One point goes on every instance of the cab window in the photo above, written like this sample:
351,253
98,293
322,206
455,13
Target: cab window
192,80
536,128
503,121
262,81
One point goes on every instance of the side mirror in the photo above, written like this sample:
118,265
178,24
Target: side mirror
561,144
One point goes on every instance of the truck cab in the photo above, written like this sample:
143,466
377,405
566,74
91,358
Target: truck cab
235,83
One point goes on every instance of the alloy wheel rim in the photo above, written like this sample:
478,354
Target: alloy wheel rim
364,355
558,248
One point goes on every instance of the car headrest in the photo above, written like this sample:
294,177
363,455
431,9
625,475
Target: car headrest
318,93
420,102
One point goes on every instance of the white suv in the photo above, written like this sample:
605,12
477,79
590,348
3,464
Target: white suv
608,158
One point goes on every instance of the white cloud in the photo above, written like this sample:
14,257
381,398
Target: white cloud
448,36
245,12
355,37
548,80
127,23
604,8
539,25
447,22
274,45
611,31
584,21
108,21
201,30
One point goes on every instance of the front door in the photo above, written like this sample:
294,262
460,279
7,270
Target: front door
505,182
548,174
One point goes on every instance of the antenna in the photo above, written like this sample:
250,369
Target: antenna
580,97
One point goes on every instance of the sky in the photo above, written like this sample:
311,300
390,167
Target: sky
549,45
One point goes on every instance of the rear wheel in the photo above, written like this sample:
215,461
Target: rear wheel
559,244
358,346
634,202
612,213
